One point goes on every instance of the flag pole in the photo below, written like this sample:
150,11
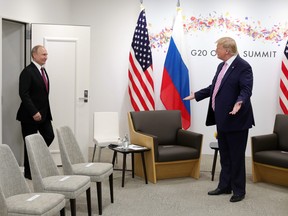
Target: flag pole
141,5
178,8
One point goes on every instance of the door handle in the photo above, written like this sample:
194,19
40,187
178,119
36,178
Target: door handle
85,98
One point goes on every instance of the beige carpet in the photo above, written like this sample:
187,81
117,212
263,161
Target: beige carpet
183,196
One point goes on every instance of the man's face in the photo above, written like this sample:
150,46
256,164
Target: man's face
41,56
221,52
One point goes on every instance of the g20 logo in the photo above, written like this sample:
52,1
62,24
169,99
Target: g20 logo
203,53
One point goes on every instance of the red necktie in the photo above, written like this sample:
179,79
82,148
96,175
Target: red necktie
44,78
217,84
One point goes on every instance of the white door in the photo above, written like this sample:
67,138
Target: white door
68,67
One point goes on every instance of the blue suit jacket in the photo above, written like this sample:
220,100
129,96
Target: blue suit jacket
236,86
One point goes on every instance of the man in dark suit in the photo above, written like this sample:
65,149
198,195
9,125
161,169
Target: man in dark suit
34,112
231,110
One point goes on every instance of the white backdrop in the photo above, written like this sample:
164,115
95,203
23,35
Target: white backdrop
112,25
251,24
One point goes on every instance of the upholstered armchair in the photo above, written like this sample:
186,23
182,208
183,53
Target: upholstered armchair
174,152
270,154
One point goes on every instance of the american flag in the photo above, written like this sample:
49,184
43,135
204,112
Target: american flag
141,85
283,98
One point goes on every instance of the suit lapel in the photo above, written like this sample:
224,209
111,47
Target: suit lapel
228,72
39,76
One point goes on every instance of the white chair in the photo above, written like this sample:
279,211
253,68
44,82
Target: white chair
106,131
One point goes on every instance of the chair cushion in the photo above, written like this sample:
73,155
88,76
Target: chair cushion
69,186
163,124
176,153
273,158
35,204
97,171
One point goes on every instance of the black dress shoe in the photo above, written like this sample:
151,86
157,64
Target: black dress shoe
219,191
237,198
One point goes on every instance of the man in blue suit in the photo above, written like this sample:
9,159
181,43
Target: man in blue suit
34,112
231,110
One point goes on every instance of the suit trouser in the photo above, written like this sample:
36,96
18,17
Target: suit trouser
45,129
232,147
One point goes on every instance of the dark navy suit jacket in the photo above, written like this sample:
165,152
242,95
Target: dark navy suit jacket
34,96
236,86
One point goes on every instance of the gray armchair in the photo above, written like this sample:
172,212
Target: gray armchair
174,152
15,196
270,154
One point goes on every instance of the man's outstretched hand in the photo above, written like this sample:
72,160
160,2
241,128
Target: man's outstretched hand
190,97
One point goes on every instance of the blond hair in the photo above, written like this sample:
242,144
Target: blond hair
229,44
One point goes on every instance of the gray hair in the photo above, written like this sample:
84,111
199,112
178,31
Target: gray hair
35,49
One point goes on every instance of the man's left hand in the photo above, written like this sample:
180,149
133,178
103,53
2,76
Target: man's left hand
236,108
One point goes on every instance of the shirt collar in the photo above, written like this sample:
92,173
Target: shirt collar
230,60
37,65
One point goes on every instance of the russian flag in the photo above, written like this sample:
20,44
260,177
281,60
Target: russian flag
175,80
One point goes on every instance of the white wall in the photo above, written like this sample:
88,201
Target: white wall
35,11
112,25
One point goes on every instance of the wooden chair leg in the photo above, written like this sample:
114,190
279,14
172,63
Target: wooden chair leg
62,212
88,197
111,188
73,207
99,196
